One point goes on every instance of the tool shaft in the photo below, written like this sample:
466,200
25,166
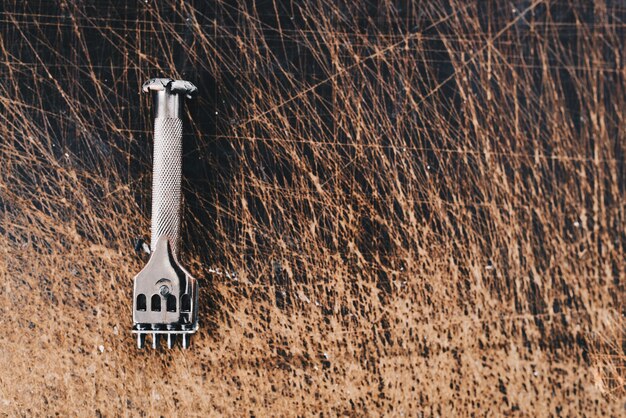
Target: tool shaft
167,169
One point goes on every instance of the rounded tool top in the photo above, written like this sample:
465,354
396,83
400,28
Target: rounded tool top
171,86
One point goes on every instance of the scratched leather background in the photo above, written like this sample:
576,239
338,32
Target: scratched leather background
394,208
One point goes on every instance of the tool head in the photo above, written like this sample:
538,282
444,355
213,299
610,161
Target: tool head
165,299
184,87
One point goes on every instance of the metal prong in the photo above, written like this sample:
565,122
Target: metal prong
171,339
186,338
155,340
141,340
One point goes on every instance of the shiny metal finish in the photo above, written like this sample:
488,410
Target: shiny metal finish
165,296
167,105
166,178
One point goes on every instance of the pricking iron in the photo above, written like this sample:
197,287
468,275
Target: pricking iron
165,295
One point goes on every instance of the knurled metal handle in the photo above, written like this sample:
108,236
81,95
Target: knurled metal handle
166,179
